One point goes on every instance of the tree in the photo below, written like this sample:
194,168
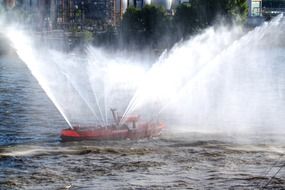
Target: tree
198,14
229,9
238,9
131,25
155,24
144,27
151,26
187,19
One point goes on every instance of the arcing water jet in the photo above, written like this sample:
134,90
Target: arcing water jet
222,79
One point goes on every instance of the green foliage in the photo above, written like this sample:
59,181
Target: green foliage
87,36
238,9
144,26
151,25
190,18
109,37
78,13
225,8
131,25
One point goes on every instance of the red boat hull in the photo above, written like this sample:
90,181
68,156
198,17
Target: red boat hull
107,133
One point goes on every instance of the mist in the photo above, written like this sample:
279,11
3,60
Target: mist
225,79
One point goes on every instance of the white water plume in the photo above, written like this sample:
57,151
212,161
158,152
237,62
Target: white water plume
84,87
223,79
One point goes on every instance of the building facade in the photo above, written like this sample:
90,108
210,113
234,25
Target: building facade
92,13
266,7
272,8
255,8
68,13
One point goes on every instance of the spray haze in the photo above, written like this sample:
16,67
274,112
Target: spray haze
223,79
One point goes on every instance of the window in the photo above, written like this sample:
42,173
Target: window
273,3
256,8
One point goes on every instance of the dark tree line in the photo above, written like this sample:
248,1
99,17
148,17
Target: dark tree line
153,27
144,27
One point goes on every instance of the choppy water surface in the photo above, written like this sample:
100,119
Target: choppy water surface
32,157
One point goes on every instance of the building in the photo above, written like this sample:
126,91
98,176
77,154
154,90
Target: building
254,7
261,10
101,11
86,13
267,8
77,14
64,14
272,8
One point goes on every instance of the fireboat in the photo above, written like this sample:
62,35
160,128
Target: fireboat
130,128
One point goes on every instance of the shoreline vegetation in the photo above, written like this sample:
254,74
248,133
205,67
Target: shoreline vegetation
151,28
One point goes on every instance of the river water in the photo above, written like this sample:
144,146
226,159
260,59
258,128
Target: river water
32,156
